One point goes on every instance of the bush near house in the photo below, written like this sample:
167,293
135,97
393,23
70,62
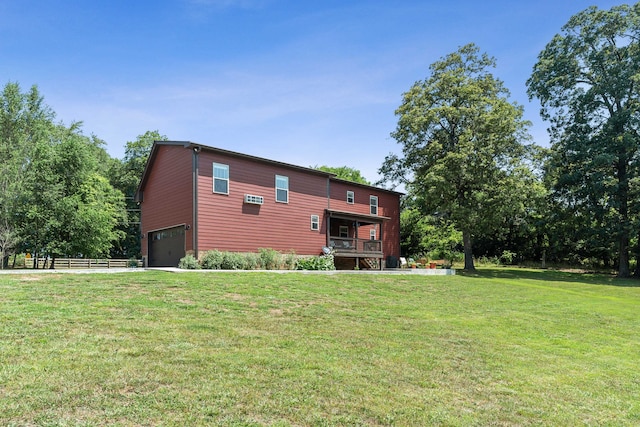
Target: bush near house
265,259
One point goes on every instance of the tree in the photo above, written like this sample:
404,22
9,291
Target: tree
125,176
69,209
8,240
463,151
54,199
428,235
587,81
345,172
25,123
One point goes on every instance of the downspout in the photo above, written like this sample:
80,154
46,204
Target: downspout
381,225
328,238
194,221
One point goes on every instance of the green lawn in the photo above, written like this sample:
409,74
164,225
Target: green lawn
503,347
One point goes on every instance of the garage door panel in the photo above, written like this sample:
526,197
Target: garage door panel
166,247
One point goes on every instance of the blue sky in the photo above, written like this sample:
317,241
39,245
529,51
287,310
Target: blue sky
304,82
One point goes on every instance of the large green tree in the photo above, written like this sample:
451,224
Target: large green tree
69,208
587,79
54,198
463,147
25,123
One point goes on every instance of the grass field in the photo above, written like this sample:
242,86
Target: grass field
501,347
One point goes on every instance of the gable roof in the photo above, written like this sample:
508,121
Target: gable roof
199,147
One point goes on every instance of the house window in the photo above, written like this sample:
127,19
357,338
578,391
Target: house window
373,205
344,231
372,234
220,178
315,222
282,189
350,197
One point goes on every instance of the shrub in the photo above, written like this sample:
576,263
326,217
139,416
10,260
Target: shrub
289,260
189,262
322,262
232,261
212,260
251,261
507,257
269,258
133,263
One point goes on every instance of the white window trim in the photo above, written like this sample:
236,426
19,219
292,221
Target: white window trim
351,200
315,222
222,179
343,227
373,205
372,234
286,178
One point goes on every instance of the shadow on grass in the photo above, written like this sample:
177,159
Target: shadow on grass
550,276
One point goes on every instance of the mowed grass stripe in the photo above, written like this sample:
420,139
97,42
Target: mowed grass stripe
501,347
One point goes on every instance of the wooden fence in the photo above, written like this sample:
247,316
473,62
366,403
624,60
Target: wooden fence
73,263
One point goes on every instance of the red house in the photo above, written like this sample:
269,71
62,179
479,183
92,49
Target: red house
195,198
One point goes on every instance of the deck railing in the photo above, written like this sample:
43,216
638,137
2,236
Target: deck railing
352,245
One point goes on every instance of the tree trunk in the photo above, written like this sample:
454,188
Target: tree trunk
636,273
468,251
623,259
623,200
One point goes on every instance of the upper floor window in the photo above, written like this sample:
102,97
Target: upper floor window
373,205
282,189
220,178
372,234
343,231
350,197
315,222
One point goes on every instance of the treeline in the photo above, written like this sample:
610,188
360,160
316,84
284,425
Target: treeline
61,194
478,186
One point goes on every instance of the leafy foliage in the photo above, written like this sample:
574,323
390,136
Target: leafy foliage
587,81
265,259
464,156
323,262
346,173
428,235
189,262
269,258
55,199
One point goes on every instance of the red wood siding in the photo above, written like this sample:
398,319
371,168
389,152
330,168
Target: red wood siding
389,206
167,196
225,222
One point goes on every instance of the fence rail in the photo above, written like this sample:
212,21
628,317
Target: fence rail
73,263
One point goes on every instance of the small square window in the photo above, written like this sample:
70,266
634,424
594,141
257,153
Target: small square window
373,205
315,222
344,231
220,178
350,197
